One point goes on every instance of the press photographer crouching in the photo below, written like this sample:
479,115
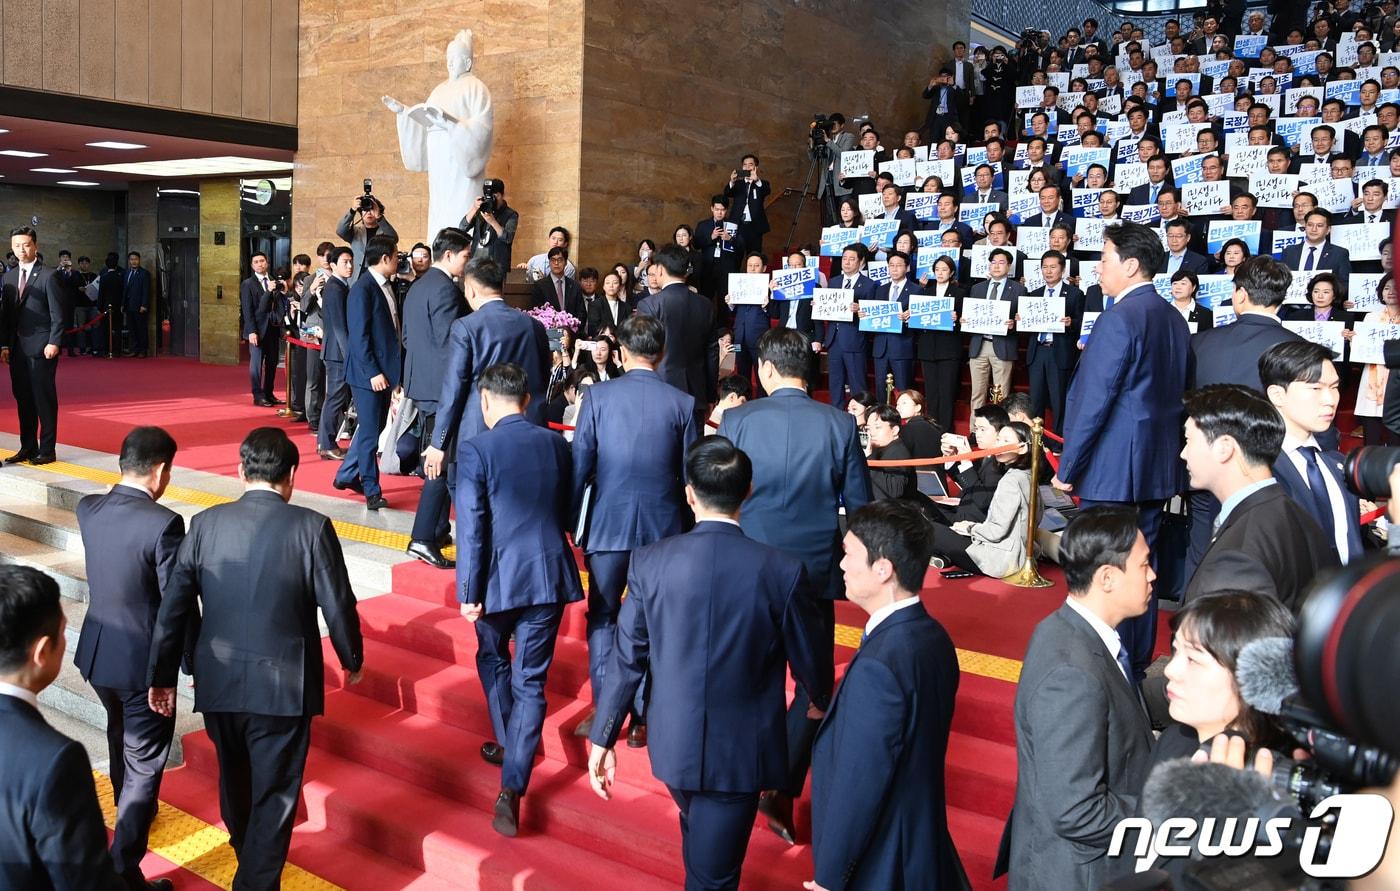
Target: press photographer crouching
364,220
491,224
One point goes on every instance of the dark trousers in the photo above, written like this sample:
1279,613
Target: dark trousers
139,323
953,547
361,462
607,578
1049,384
514,688
138,745
941,390
1204,508
845,370
903,370
296,380
715,830
802,730
262,365
261,760
32,380
315,390
1139,634
333,409
430,522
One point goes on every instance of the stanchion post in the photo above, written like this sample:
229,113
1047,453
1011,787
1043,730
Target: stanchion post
889,388
109,333
1028,576
286,410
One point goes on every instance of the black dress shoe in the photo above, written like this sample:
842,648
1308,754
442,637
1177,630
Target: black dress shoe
21,457
777,807
429,554
264,403
637,736
353,486
160,885
445,541
43,459
376,502
298,417
273,400
493,753
335,454
506,819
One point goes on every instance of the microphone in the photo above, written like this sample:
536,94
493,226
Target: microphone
1179,788
1265,675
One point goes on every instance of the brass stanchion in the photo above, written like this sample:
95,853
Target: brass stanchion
110,354
1028,576
286,410
889,388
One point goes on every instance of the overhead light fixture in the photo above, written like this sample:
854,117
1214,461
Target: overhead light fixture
16,153
50,170
189,167
178,191
113,145
77,182
4,131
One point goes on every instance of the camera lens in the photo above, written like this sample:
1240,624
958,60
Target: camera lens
1368,471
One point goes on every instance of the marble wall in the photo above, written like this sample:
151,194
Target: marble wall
219,211
80,220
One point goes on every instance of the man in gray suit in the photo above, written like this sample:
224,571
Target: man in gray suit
838,140
1083,740
991,358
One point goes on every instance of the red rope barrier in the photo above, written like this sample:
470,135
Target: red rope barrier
90,323
561,427
301,343
1049,435
947,459
1372,516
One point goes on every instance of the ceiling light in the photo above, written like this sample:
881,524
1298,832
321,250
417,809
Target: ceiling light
4,131
77,182
178,191
113,145
188,167
50,170
15,153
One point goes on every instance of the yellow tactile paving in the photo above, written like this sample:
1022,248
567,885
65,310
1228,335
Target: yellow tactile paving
983,664
197,847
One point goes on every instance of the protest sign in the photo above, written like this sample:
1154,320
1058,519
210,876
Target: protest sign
1368,344
836,238
1129,176
1298,290
1041,315
923,205
832,305
879,234
931,313
1085,202
1077,160
1147,214
878,271
1327,334
1188,170
1285,239
857,163
1089,235
985,316
1086,325
794,284
1215,290
1033,241
750,288
975,214
1274,189
1362,240
1204,199
881,316
1224,315
902,169
1247,161
1363,291
1220,231
927,256
1180,138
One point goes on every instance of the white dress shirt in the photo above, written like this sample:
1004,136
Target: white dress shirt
1106,634
388,292
1334,492
19,693
886,611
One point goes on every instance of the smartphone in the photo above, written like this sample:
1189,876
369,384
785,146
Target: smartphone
736,348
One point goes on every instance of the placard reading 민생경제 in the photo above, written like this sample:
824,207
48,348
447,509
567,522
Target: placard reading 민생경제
1041,315
1215,290
985,316
1368,344
832,305
881,316
1328,334
794,284
749,288
879,233
857,163
836,238
1189,170
1221,231
931,313
925,257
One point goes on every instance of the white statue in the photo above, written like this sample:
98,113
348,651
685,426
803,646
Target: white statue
449,137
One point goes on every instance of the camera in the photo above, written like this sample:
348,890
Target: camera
490,188
366,201
405,265
1367,471
279,285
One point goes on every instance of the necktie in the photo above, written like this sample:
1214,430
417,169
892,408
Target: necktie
1123,664
1312,257
943,101
393,309
263,279
1321,507
1370,218
559,290
995,291
1108,302
1155,189
23,281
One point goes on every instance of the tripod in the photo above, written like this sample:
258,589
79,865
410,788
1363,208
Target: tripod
820,154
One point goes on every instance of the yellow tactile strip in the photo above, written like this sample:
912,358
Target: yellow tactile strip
197,847
983,664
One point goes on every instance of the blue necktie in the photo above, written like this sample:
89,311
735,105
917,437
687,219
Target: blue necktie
1123,662
1312,256
1321,507
1108,303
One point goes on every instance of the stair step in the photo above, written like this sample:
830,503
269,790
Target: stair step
69,569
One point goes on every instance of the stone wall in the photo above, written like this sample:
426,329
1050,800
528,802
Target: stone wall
81,220
219,211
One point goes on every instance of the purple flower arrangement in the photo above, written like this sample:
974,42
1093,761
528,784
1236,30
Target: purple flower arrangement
550,317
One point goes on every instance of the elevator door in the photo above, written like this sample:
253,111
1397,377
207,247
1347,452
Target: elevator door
180,280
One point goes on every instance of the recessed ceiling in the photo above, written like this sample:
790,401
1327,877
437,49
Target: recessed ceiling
69,147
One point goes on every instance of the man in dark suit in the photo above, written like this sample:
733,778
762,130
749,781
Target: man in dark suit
259,568
1315,253
991,358
1264,541
1083,739
1125,393
638,484
714,755
1050,213
879,753
557,289
723,250
260,328
1050,358
333,350
984,190
947,105
515,571
1180,257
1301,381
32,310
373,367
136,302
1158,180
797,315
129,544
892,208
847,347
51,832
807,464
747,193
688,320
109,301
894,352
433,303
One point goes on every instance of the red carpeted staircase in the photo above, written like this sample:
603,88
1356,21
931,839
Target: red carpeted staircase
397,796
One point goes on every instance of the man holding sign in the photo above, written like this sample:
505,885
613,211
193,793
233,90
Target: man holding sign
748,298
991,358
895,351
844,342
1050,355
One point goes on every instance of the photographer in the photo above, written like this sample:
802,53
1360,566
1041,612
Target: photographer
371,222
747,195
491,224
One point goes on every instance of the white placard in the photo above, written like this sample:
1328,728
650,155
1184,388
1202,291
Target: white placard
1247,161
1368,344
1298,291
1033,241
871,204
1328,334
1030,96
832,305
1205,198
985,316
1041,315
1088,235
1363,291
903,170
1129,176
857,163
1274,189
1178,139
748,288
1362,240
1314,172
943,169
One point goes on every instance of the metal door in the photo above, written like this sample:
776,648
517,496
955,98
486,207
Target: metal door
180,284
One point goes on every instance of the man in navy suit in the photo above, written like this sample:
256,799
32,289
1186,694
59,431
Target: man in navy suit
515,571
1050,212
892,208
1180,257
716,618
638,484
259,308
1315,253
32,310
746,195
433,303
136,302
808,464
129,544
1300,379
373,366
949,204
1050,357
845,344
558,289
333,337
1125,396
688,319
894,352
51,832
1158,180
879,753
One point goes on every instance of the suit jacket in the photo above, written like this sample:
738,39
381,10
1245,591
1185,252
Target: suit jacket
716,618
1083,747
879,811
600,315
846,337
907,221
259,309
1230,355
372,344
333,332
130,543
433,303
1359,216
1142,194
511,551
1332,258
31,321
51,831
995,196
260,568
901,345
109,289
717,268
807,461
1063,345
639,481
933,345
1296,486
1269,545
1003,345
1193,262
740,194
976,486
963,229
1124,403
136,289
957,106
543,293
687,318
494,334
1038,220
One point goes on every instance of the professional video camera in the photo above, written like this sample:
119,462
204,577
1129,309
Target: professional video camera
817,136
405,265
1367,471
367,201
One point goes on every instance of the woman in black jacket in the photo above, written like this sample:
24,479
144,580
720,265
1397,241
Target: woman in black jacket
940,353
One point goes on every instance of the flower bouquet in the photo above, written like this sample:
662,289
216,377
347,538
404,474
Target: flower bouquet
554,321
